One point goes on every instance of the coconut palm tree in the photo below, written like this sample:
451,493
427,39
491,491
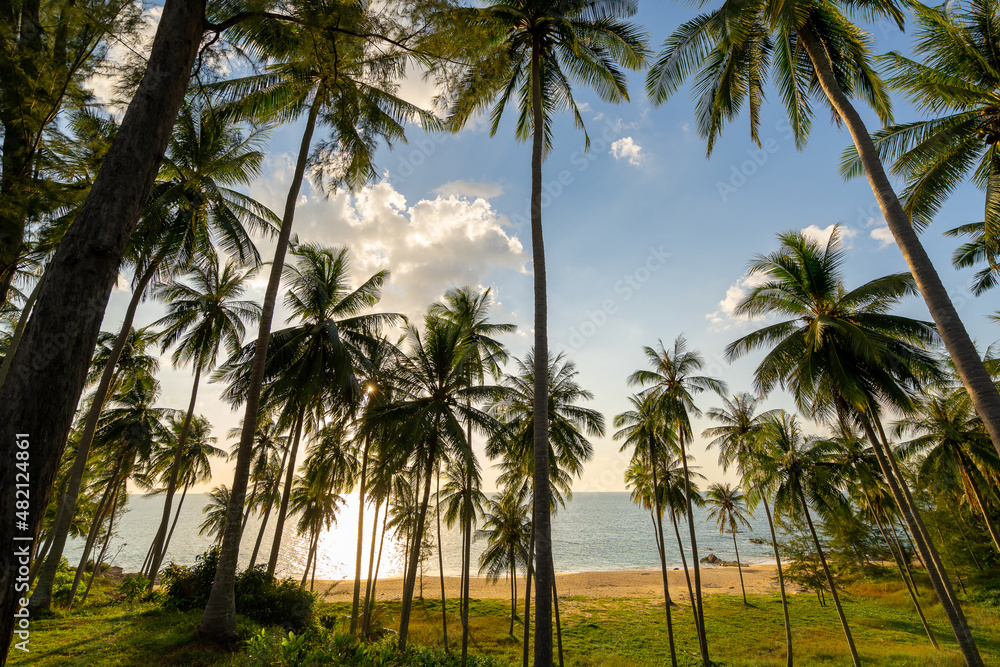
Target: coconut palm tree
803,474
673,384
203,315
215,513
321,64
728,508
730,51
534,51
842,355
507,529
316,505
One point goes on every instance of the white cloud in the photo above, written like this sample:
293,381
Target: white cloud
883,236
822,236
725,317
626,149
486,189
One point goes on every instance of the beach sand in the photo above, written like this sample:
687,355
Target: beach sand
715,580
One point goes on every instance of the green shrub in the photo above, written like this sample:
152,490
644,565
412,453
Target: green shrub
259,597
134,588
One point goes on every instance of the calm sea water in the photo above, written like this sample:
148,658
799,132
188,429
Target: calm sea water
595,532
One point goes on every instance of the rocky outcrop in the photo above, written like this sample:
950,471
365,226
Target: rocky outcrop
712,559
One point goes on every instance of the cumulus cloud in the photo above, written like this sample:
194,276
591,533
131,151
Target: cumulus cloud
626,149
725,317
429,245
460,188
822,236
883,236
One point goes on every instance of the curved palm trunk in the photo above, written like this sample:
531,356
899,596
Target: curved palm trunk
418,534
219,619
175,471
60,337
271,492
22,322
444,601
279,521
911,586
371,566
41,598
555,607
526,642
739,567
467,565
965,538
513,592
36,565
110,493
694,549
104,549
829,581
663,556
249,505
177,515
361,536
684,563
542,502
370,599
781,585
979,501
922,542
963,352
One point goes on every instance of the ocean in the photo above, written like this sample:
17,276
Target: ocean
594,532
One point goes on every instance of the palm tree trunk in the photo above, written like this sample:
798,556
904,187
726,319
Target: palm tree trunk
177,515
513,591
41,597
219,619
437,512
965,538
110,492
980,502
684,564
555,607
542,501
249,505
36,565
104,549
694,549
739,567
361,535
313,538
22,321
175,471
418,534
371,565
271,492
911,586
829,581
370,599
279,521
467,551
527,598
781,584
663,556
963,352
921,540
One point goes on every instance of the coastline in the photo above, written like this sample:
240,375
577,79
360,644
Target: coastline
759,579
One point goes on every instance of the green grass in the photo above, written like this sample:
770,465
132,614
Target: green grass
606,632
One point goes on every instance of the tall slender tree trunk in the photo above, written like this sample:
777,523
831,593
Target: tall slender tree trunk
444,600
829,581
177,515
921,540
513,591
361,535
781,585
694,549
911,586
272,491
104,549
371,566
219,619
41,598
684,563
980,502
526,642
286,494
22,322
36,565
739,567
175,471
102,511
965,538
963,352
249,505
418,534
555,606
663,555
467,552
542,502
370,598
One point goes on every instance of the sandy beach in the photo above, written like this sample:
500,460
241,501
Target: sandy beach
716,580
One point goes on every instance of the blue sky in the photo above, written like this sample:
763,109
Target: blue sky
646,239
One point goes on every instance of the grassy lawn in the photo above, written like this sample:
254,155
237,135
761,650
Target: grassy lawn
612,632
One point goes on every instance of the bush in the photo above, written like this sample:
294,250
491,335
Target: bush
259,597
63,582
134,588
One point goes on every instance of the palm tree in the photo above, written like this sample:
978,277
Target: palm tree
729,509
533,51
316,504
469,308
673,384
507,528
215,513
813,42
957,84
201,317
802,473
322,64
426,420
842,354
